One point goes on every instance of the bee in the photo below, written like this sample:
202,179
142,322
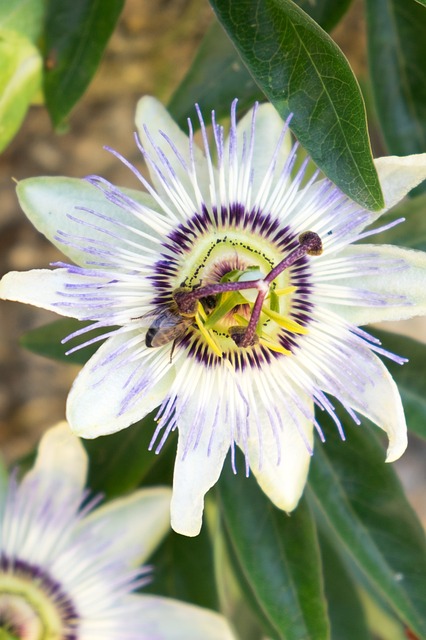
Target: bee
168,326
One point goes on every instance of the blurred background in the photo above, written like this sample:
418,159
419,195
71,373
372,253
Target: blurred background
149,53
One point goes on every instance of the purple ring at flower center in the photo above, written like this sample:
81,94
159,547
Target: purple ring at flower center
52,589
243,232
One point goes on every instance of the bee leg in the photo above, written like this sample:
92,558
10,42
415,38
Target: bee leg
172,350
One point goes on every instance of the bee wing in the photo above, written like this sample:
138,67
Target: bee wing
156,318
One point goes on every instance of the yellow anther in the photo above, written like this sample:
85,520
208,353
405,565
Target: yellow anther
282,321
274,346
200,316
285,291
241,320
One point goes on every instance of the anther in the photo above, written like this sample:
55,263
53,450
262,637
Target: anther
312,242
239,336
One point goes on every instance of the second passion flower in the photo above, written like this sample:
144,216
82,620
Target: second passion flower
229,297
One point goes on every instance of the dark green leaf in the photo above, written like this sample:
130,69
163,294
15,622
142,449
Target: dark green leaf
342,597
376,612
412,232
302,71
410,378
423,2
249,618
216,77
326,12
278,556
3,478
76,34
362,501
46,341
184,570
121,462
397,54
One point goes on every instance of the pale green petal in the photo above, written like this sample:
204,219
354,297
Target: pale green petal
167,619
61,462
52,206
398,175
283,481
43,288
134,525
408,283
152,114
95,402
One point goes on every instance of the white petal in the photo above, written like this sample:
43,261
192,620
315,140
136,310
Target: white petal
404,286
167,619
134,525
283,481
152,114
52,206
43,288
399,175
268,129
96,401
61,460
40,518
380,402
387,412
196,470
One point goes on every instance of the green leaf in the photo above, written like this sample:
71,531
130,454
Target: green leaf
423,2
76,34
121,462
397,54
20,78
412,232
6,635
215,78
184,569
326,12
342,597
4,477
302,71
245,611
218,75
278,556
23,16
410,378
46,341
362,501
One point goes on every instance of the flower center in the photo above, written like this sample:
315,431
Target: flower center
242,305
33,605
